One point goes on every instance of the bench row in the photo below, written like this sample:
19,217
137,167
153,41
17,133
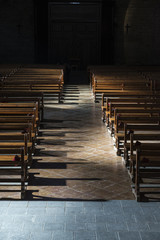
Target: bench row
133,119
32,80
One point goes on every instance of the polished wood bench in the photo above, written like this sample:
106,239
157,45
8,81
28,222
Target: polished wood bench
53,89
13,169
138,132
128,109
145,141
120,101
15,140
24,97
147,172
37,102
130,94
101,87
131,119
36,79
17,130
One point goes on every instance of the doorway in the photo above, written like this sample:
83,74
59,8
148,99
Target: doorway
74,34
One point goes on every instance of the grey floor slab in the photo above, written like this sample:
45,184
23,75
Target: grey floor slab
76,221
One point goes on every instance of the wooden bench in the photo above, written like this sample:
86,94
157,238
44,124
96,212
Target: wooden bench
43,88
17,130
33,78
17,140
11,96
13,162
8,69
145,141
141,132
120,101
118,78
147,176
101,87
128,109
37,101
131,119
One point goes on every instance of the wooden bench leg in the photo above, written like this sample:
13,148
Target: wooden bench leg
23,167
137,177
107,120
59,97
42,114
126,157
103,116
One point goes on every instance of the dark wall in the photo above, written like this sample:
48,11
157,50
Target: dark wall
16,31
141,41
120,10
107,34
24,31
41,31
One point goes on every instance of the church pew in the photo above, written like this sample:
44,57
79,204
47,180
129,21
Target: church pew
9,134
123,83
128,108
20,121
38,101
13,162
21,91
23,96
109,69
147,132
123,88
100,78
21,112
122,136
147,172
20,105
145,141
106,75
113,121
139,133
16,141
52,89
33,78
127,100
130,94
18,129
8,69
131,119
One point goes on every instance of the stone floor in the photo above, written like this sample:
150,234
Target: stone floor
78,188
82,220
75,156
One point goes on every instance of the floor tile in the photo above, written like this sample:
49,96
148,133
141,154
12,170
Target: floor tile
129,235
106,235
150,235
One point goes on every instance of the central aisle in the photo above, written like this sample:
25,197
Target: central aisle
75,159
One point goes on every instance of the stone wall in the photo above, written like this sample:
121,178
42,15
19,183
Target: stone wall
16,31
140,45
119,19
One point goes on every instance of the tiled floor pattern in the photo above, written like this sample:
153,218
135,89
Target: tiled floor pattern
75,157
77,171
62,220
